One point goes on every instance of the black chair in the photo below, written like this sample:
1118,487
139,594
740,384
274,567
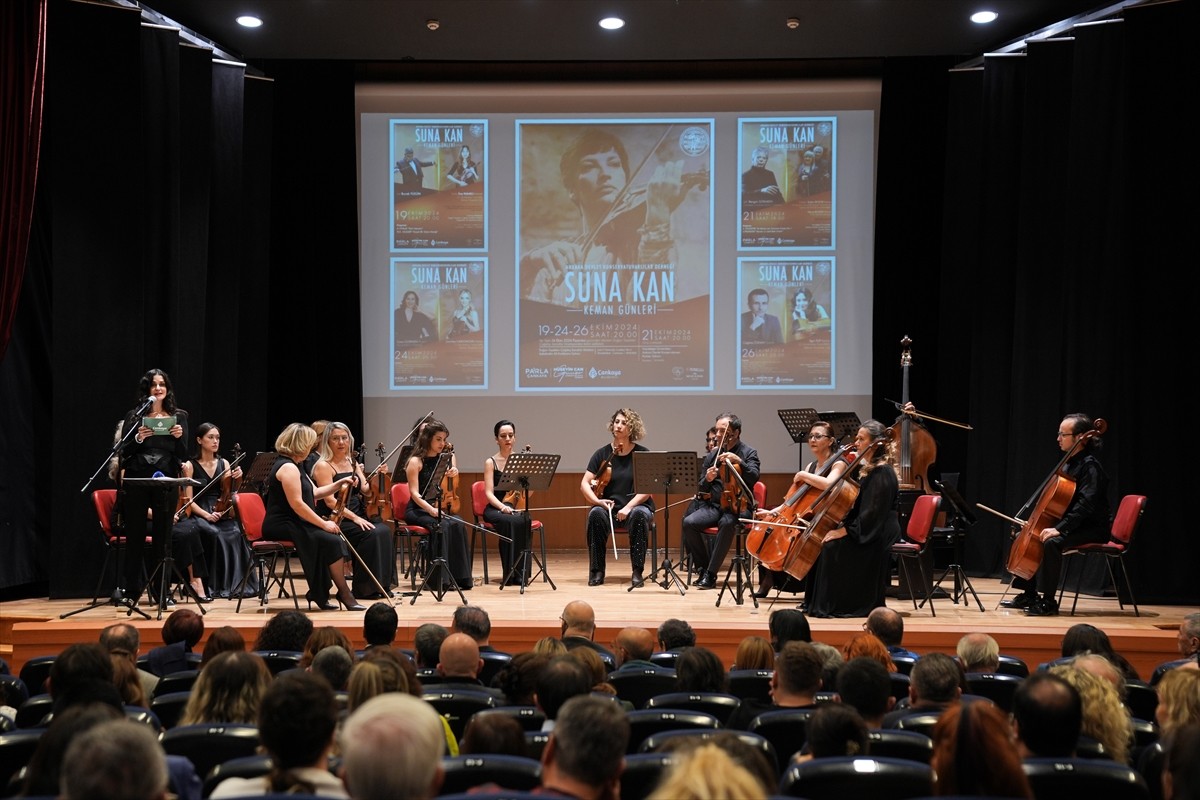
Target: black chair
493,662
862,778
1150,766
463,773
176,682
280,660
895,743
16,748
824,697
34,673
535,743
1145,733
719,705
900,684
642,773
33,711
662,741
14,689
254,766
751,683
639,685
169,707
1012,665
145,716
666,659
1167,666
994,686
529,717
208,745
1089,748
646,722
1053,778
457,705
1141,699
904,664
785,728
921,722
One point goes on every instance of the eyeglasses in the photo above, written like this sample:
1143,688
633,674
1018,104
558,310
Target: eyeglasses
818,436
1062,435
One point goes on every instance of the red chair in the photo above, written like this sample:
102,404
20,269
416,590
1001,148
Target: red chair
266,554
104,500
479,504
417,553
1125,522
914,542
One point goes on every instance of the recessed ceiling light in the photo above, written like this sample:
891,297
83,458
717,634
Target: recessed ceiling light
247,21
984,17
612,23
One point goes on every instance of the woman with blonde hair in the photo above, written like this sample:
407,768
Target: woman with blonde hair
707,772
1178,700
1105,718
754,652
228,690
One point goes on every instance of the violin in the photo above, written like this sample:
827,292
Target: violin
733,499
224,503
514,497
343,494
603,476
450,500
380,504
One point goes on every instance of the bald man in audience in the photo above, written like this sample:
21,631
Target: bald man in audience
579,630
978,652
633,647
124,640
887,624
459,664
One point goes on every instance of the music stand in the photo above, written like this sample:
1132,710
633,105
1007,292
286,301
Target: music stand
844,423
166,565
653,469
256,475
961,520
432,494
528,472
798,421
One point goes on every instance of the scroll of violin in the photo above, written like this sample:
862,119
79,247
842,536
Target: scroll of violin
451,503
514,497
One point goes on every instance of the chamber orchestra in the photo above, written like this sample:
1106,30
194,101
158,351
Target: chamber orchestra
828,539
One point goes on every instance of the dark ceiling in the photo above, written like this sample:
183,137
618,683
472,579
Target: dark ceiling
656,30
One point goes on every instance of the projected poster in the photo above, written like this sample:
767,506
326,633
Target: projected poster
439,187
785,332
788,182
615,251
439,323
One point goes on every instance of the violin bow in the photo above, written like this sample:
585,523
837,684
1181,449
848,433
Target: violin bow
621,195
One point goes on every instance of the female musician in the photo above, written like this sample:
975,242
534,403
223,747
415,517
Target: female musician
411,324
371,540
465,170
818,474
147,454
850,577
616,503
431,441
506,518
465,318
218,531
710,512
290,516
1085,518
806,313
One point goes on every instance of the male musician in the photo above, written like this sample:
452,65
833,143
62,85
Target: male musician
411,171
1086,518
710,511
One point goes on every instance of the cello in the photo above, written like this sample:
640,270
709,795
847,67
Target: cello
1054,495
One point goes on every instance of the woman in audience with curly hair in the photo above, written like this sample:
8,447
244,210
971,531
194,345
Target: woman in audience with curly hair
754,652
698,669
1105,718
871,646
319,639
1178,700
518,680
708,772
228,690
288,630
975,753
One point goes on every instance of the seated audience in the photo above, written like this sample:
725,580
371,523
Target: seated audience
834,729
1181,768
518,680
182,630
474,622
228,690
1105,717
978,652
459,664
699,669
44,770
1084,638
935,685
597,669
743,754
380,670
82,673
794,684
380,623
707,772
674,635
427,645
334,665
585,755
579,629
287,631
392,747
974,753
888,625
832,658
558,681
115,760
871,646
1047,716
221,640
788,625
1178,701
864,685
549,646
632,649
124,640
754,652
493,733
319,639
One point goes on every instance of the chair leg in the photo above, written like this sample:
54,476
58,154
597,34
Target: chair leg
542,544
1112,578
1128,585
908,581
928,597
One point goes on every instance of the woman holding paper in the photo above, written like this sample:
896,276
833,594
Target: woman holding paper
157,448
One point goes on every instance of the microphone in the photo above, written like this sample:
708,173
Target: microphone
158,473
149,401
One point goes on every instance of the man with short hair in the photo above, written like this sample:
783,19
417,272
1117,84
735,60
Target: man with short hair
561,679
863,684
579,630
935,685
675,634
333,663
427,645
123,639
978,652
379,625
115,760
392,746
474,622
585,755
81,673
1188,642
887,624
1047,716
459,665
794,684
633,648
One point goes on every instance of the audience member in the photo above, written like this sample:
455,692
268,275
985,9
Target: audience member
794,684
493,733
380,623
1102,668
745,755
1083,638
699,669
319,639
864,685
287,631
754,652
459,664
1105,717
834,730
392,747
788,625
518,680
182,630
296,722
557,682
832,658
978,652
1181,767
82,673
935,685
975,753
228,690
632,649
427,644
675,634
115,760
44,770
579,629
871,646
1178,701
549,646
1047,715
888,625
333,664
223,639
1188,642
379,670
474,622
585,755
707,772
597,669
125,678
123,640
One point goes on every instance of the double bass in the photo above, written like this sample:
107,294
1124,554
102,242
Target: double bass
917,449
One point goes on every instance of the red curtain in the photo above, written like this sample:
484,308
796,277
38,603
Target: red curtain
22,83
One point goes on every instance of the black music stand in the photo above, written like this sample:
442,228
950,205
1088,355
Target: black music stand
960,521
653,469
440,563
845,425
798,421
166,567
528,472
256,476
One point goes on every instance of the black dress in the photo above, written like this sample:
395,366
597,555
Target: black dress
454,548
223,543
317,548
374,546
515,526
851,575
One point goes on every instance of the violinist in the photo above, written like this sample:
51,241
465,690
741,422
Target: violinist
431,441
818,474
226,552
608,486
504,516
371,539
730,454
1085,519
852,573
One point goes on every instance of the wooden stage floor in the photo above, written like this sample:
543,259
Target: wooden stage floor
32,627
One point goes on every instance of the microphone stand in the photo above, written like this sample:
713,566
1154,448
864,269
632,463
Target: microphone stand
116,448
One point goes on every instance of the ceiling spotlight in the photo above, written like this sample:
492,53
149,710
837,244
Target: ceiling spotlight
247,21
612,23
793,22
432,24
984,17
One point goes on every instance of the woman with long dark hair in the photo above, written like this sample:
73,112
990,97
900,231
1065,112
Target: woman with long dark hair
431,441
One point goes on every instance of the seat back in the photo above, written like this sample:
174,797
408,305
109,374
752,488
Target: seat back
180,681
920,522
751,683
919,722
254,766
669,739
785,728
900,685
493,662
103,501
251,511
853,776
16,749
479,501
33,711
1141,699
14,689
666,658
400,498
529,717
639,685
169,706
1084,777
895,743
643,723
904,664
535,743
462,773
208,745
760,494
279,660
457,705
1013,665
719,705
1125,521
642,773
34,673
996,687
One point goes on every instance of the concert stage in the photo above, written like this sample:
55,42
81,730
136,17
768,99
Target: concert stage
32,627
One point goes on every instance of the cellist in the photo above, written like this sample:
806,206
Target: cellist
731,453
1085,519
